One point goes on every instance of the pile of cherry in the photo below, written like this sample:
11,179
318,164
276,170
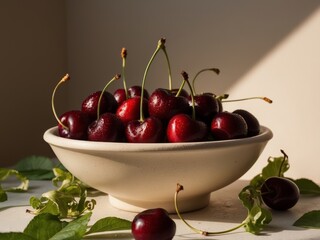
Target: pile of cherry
166,115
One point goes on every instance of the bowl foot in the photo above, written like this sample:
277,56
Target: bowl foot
185,204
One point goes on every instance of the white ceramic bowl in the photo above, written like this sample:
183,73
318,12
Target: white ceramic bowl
141,176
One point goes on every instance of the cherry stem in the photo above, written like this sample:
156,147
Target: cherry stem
124,54
180,88
199,231
163,47
216,70
186,79
268,100
64,79
116,77
285,158
160,46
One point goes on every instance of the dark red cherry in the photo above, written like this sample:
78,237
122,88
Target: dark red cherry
182,128
120,96
90,104
153,224
135,91
280,193
108,128
129,110
206,106
226,125
150,130
183,92
164,104
252,122
74,125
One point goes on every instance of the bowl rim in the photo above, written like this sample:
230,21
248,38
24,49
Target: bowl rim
52,138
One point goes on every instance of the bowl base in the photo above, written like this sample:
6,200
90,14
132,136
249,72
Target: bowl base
185,205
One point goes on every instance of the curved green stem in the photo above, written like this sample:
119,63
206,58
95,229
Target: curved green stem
117,76
216,70
169,66
64,79
196,230
180,88
159,47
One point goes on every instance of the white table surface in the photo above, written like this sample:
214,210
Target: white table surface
225,211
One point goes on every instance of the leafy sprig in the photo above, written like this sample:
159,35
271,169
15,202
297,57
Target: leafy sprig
68,200
4,175
62,213
51,227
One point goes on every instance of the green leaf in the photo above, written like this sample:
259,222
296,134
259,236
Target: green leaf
75,230
3,195
110,224
24,182
276,166
309,220
36,168
307,186
15,236
44,226
67,201
257,216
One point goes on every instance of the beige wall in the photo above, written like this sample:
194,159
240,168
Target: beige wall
32,59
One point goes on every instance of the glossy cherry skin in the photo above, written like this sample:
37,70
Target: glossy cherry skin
182,128
280,193
163,104
206,106
134,91
153,224
108,128
226,125
120,96
129,110
76,122
150,130
107,104
183,92
252,122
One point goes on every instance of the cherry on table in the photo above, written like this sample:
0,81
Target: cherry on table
280,193
153,224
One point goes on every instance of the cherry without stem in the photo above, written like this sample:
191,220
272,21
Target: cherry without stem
153,224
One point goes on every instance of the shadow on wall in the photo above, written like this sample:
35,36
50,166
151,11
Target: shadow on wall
231,35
